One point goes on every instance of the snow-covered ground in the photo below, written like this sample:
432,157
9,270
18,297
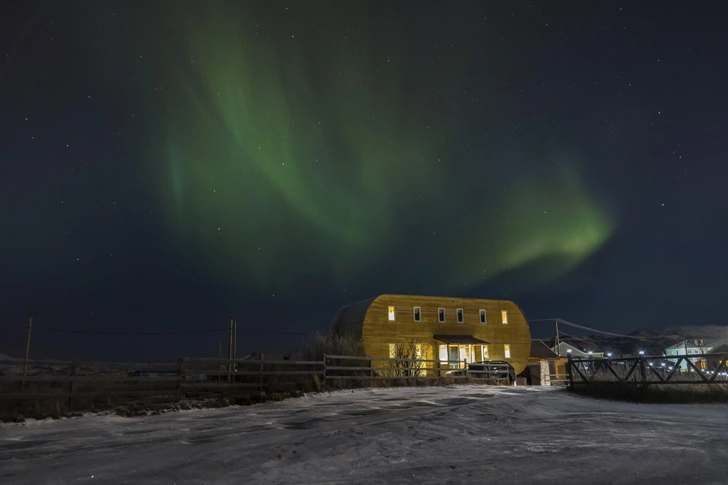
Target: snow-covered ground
451,435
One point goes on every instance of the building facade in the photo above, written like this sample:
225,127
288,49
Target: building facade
446,329
694,347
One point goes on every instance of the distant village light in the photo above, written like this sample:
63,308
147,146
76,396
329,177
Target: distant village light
609,354
642,352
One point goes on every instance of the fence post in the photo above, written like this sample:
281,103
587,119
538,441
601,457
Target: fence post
324,370
180,376
260,377
568,371
71,383
642,369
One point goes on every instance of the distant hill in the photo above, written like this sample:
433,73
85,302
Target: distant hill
702,332
652,342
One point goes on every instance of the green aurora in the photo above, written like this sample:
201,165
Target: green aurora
285,158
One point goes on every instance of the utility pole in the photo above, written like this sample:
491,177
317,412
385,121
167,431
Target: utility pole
27,346
235,344
558,344
230,350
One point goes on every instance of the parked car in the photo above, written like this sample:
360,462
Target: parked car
493,370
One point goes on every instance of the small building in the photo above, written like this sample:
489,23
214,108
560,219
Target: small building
447,329
716,356
693,347
578,349
564,349
541,366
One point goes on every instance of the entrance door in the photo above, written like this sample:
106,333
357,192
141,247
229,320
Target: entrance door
453,356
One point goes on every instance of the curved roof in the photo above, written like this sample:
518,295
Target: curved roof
350,318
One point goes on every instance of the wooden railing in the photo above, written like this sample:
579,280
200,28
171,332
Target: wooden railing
91,381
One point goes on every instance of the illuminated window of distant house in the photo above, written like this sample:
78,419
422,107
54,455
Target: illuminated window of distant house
507,351
417,310
482,315
504,316
461,318
441,315
391,313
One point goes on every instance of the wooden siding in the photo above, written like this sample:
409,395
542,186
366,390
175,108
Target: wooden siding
378,331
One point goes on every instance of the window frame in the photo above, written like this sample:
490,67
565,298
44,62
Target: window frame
441,312
391,313
504,317
417,314
460,315
483,316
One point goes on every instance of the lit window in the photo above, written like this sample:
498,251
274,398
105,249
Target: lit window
504,316
392,351
441,315
482,316
507,351
460,315
416,312
391,314
485,352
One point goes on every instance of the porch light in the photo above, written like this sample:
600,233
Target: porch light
609,354
642,352
568,351
590,352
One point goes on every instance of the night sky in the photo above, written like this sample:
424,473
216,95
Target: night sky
167,164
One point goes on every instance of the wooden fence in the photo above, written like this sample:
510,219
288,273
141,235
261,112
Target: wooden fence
84,382
648,370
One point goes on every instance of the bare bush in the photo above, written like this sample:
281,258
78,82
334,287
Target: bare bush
319,344
409,361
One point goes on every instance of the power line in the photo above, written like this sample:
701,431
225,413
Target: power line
582,327
180,332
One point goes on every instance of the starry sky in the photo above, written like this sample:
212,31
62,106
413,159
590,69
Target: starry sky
166,165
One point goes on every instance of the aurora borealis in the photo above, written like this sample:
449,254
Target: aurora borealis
281,159
275,159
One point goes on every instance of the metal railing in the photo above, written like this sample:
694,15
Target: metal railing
648,370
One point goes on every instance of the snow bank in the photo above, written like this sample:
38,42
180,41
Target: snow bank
442,435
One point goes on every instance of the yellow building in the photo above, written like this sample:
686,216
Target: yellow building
441,328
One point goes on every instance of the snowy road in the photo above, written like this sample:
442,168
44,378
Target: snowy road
453,435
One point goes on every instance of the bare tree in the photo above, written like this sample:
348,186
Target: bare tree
409,363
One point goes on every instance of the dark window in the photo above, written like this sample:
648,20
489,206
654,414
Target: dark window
417,314
460,315
441,315
482,316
